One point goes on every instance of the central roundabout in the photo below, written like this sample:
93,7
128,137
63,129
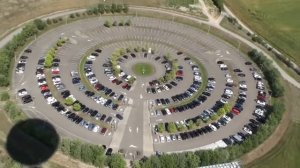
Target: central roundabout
154,85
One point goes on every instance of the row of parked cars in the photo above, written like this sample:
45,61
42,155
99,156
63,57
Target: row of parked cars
20,67
155,86
72,116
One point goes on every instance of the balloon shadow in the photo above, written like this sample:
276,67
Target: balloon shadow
32,142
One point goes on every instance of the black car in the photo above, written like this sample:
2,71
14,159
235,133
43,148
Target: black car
220,62
95,54
187,58
103,117
248,63
119,116
109,152
237,70
98,50
28,50
179,53
157,58
23,57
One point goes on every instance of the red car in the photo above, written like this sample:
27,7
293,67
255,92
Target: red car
125,86
179,73
44,87
235,111
114,81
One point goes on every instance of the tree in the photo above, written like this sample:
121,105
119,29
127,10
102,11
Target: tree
113,8
72,15
65,146
181,127
192,160
40,25
219,4
101,8
76,107
191,125
49,21
115,23
87,153
171,127
75,151
125,8
98,156
4,96
116,161
121,23
221,112
161,127
69,101
226,108
119,8
214,117
107,23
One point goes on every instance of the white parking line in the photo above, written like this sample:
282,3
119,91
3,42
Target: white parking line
137,129
132,146
129,129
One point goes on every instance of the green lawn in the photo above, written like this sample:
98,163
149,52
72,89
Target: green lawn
143,69
285,154
275,20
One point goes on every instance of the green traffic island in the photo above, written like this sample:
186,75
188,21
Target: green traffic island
84,79
143,69
193,123
196,94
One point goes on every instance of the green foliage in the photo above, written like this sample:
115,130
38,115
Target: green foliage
221,111
8,51
116,161
40,25
113,8
4,96
226,108
115,23
177,3
69,101
101,8
119,8
191,125
214,117
49,21
72,15
107,23
161,127
14,112
181,127
125,8
171,127
271,74
76,107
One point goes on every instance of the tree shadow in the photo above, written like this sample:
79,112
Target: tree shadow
32,142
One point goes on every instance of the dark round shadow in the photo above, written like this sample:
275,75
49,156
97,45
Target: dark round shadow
32,142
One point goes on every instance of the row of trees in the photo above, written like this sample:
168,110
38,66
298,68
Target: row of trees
10,49
107,8
271,74
108,23
92,154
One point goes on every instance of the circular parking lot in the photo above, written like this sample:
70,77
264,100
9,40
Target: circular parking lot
153,86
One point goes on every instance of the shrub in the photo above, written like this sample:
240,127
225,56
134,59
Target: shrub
128,22
41,25
161,127
107,23
171,127
69,101
72,15
4,96
49,21
76,107
115,23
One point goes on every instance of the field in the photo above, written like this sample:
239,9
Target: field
143,69
275,20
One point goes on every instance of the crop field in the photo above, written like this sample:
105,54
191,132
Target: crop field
275,20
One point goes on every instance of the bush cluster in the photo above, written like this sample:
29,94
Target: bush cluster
14,112
106,8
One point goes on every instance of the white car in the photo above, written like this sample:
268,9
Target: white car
228,75
93,80
228,92
51,100
212,127
259,112
112,78
246,129
256,75
227,118
40,76
224,101
223,66
91,58
168,138
243,86
262,103
96,128
162,139
243,93
42,83
229,80
22,92
63,111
